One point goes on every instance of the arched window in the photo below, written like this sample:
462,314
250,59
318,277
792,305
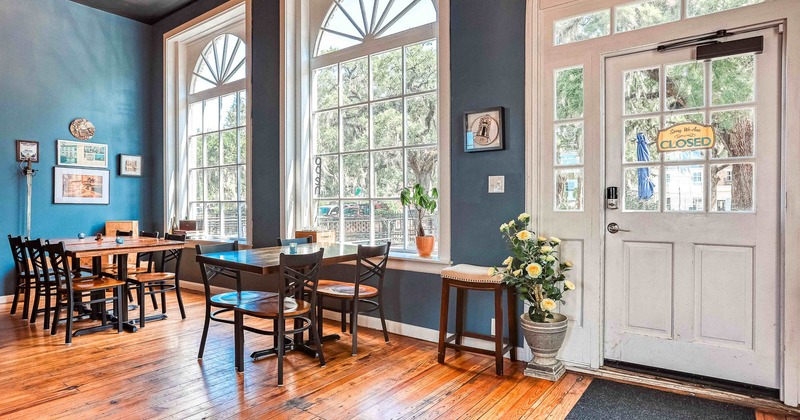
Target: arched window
375,121
217,133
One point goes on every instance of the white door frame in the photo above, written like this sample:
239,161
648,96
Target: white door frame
539,49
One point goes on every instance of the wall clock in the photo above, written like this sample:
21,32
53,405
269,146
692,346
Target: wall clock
81,129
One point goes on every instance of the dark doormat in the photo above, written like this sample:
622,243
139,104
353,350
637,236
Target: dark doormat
613,400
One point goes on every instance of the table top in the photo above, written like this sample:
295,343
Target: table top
267,260
89,247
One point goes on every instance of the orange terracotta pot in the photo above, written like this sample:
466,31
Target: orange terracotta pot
425,245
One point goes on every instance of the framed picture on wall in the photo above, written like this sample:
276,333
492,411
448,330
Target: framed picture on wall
80,186
27,150
130,165
483,130
73,153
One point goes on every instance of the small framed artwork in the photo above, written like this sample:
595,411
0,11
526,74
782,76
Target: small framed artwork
80,186
130,165
73,153
27,150
483,130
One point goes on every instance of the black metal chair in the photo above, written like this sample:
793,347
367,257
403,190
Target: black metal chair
223,302
358,293
160,281
69,288
23,280
299,241
298,273
146,258
46,285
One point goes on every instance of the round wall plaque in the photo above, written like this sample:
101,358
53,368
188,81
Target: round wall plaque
81,129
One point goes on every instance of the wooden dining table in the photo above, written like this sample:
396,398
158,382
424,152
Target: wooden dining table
264,261
90,247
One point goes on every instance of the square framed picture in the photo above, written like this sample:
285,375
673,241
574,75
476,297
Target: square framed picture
73,153
483,130
27,150
130,165
80,185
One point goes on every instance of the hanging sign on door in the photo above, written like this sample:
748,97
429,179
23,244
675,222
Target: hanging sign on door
686,136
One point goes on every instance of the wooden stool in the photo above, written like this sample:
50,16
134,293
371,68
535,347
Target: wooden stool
471,277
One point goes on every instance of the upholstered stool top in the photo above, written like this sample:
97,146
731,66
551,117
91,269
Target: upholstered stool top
470,273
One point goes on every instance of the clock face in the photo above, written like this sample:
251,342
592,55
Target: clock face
485,129
82,129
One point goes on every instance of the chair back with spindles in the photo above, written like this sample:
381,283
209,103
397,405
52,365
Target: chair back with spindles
124,233
299,241
366,269
172,254
210,272
21,268
41,269
299,273
146,256
59,264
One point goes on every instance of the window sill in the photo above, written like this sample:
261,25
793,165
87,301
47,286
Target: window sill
406,261
190,243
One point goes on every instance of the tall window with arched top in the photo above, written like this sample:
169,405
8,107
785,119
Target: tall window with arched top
217,136
374,115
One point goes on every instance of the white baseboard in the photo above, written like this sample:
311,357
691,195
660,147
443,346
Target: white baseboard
394,327
6,299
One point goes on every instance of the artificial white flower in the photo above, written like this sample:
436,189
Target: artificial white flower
549,258
524,217
546,249
511,223
534,270
548,304
568,264
492,271
504,227
569,285
508,261
555,240
542,239
517,273
523,235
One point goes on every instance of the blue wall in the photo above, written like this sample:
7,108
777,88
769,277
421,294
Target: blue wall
62,60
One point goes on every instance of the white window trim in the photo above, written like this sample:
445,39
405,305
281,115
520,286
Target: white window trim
175,94
296,56
540,48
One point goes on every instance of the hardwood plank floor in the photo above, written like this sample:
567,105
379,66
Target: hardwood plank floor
154,373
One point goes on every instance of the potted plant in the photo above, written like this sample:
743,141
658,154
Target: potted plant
538,277
424,203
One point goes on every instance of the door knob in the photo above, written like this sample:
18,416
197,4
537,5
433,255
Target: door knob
614,228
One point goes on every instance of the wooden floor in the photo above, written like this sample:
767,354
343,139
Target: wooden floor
154,373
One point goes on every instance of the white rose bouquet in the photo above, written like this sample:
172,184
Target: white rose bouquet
534,269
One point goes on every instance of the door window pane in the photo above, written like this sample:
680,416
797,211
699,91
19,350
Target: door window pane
693,117
242,108
641,188
569,144
704,7
569,189
685,85
196,185
569,93
230,179
242,145
733,80
242,182
421,72
734,133
326,83
387,124
643,14
195,152
421,117
195,123
326,131
732,187
387,74
231,216
212,184
641,91
213,223
683,189
327,215
648,127
579,28
354,81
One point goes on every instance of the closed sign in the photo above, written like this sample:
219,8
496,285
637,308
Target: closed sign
686,136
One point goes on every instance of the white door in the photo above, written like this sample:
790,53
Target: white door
691,278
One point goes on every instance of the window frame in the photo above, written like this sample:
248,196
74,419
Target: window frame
302,21
182,48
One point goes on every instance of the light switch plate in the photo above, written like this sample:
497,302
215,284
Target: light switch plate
497,184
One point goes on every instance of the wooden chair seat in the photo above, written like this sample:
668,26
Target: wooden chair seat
87,284
342,289
233,299
132,269
268,308
151,277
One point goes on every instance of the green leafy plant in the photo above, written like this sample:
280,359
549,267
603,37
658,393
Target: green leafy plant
421,200
534,269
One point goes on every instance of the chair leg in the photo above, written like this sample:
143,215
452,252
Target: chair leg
163,298
120,304
70,316
238,340
140,293
16,298
180,299
460,305
205,331
56,315
37,296
26,296
354,326
47,296
130,295
281,349
152,297
344,315
512,323
498,330
443,313
383,317
319,315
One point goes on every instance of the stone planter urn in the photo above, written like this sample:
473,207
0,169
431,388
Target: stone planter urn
545,339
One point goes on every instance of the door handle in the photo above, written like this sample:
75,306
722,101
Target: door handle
614,228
